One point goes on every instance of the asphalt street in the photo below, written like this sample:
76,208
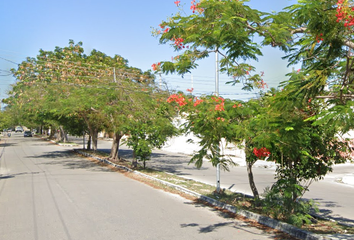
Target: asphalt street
48,193
335,199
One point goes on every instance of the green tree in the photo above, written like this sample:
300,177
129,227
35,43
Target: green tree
321,37
150,127
66,86
224,27
213,119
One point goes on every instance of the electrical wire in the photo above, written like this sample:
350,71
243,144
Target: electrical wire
9,61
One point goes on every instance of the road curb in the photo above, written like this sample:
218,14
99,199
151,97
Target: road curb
284,227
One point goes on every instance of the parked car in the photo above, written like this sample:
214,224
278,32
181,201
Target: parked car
27,134
18,129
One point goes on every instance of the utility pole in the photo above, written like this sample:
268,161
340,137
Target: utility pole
160,81
114,75
216,72
217,94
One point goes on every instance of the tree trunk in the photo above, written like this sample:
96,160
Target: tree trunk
57,136
52,132
251,180
115,146
93,131
63,135
94,136
89,142
134,161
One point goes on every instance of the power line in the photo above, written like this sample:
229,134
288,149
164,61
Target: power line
9,60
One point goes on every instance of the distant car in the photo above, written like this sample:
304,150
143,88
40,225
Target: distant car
18,129
27,134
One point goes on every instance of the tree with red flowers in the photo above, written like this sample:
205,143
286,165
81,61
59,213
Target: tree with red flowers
321,36
224,27
212,119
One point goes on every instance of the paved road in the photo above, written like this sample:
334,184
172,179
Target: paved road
335,199
47,193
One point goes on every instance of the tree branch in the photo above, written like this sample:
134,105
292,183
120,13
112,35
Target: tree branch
335,96
349,44
298,30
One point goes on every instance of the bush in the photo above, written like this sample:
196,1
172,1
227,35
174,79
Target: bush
283,202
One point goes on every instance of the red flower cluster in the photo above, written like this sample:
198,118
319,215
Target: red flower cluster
219,107
177,3
261,84
178,42
262,152
155,66
235,106
319,38
195,7
197,102
345,13
190,90
178,99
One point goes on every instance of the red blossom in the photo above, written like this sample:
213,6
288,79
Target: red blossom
178,99
190,90
345,13
261,84
220,107
155,66
235,106
197,102
177,3
262,152
196,7
178,42
319,38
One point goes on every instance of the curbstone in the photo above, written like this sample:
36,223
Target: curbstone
267,221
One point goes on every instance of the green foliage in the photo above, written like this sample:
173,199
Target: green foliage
66,87
281,202
225,27
7,119
324,48
150,129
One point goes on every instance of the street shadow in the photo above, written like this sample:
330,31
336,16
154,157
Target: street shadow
68,161
172,163
54,154
6,177
17,174
324,212
4,144
79,164
232,221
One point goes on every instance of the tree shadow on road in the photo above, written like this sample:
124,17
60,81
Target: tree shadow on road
5,144
238,222
69,161
328,213
172,163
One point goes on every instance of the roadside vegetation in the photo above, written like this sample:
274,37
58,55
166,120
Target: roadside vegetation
238,200
300,125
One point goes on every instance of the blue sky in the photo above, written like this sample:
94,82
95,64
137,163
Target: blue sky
115,27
